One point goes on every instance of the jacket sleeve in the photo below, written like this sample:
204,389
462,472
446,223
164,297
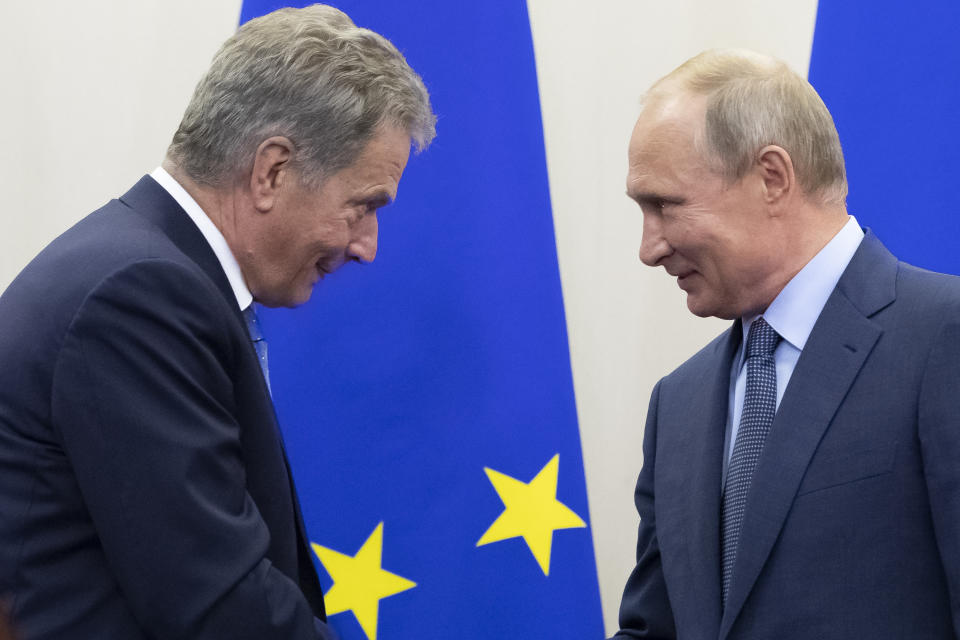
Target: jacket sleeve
645,609
143,401
939,431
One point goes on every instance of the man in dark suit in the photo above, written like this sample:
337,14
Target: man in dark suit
801,473
145,491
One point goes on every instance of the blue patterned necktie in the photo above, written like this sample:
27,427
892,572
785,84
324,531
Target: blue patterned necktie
759,408
256,336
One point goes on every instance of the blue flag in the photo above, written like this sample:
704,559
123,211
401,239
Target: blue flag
426,399
888,73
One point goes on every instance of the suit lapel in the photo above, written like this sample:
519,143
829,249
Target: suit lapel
153,202
839,344
702,416
705,551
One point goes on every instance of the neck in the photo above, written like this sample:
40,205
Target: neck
218,204
804,234
813,229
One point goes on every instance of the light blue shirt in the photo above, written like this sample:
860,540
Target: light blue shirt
792,314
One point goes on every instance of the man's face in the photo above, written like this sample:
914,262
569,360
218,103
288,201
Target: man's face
310,233
715,238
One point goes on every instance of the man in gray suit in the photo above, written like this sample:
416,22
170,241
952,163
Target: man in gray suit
801,473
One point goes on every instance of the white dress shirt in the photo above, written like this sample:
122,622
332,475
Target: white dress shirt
210,232
792,314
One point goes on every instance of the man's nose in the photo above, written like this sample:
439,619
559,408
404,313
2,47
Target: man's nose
653,246
363,245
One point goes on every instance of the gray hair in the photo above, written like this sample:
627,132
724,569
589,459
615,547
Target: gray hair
307,74
754,101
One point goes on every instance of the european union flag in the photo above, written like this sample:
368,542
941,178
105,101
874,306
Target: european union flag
426,399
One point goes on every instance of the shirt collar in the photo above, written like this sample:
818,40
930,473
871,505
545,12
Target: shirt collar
210,233
796,309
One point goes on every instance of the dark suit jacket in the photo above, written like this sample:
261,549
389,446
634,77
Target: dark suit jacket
852,527
145,491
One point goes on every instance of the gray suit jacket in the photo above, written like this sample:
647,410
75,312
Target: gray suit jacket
852,528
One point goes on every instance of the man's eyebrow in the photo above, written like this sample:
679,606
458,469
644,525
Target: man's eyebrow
652,196
379,197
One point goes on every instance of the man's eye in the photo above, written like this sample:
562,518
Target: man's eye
374,205
653,205
665,205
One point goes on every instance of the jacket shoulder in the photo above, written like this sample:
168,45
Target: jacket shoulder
113,251
925,287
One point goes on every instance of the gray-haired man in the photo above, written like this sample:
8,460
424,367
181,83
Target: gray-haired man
146,492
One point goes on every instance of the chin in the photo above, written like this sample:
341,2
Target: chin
301,297
704,309
289,298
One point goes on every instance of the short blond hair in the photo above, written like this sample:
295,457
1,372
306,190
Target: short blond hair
753,101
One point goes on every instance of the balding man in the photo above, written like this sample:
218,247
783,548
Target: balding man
145,490
801,473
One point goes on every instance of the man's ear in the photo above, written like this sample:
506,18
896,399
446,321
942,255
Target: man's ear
271,169
778,178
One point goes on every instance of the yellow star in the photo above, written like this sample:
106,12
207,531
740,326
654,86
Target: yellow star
532,511
359,583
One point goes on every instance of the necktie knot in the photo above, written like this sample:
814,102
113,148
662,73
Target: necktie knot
763,339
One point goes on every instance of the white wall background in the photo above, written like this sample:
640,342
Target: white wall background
92,93
94,90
